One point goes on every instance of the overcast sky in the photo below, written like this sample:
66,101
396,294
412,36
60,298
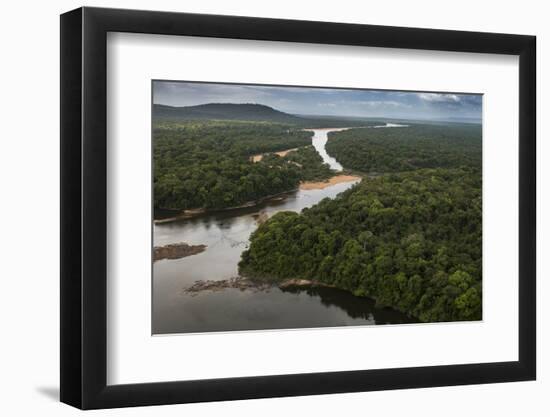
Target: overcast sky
323,101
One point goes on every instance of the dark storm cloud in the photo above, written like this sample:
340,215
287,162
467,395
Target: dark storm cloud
324,101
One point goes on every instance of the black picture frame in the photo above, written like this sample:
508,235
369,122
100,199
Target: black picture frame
84,207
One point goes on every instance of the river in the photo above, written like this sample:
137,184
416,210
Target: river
319,140
226,236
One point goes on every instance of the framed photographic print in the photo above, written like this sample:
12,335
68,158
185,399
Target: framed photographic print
257,208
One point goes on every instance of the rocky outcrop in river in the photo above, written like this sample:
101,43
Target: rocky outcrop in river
244,284
176,251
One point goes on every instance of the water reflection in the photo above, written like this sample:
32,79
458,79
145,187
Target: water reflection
355,307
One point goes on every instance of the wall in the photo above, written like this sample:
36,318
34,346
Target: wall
29,171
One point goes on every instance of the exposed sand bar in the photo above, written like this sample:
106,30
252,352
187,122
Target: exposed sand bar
258,158
337,179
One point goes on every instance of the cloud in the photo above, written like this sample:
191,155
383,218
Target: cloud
318,100
439,98
382,103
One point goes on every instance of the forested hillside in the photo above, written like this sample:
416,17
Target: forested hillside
251,113
410,240
224,111
406,148
207,164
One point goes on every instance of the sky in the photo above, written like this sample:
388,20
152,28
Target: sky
324,101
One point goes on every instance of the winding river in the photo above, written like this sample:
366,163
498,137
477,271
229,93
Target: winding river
226,236
319,140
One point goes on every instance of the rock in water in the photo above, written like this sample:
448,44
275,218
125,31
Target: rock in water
176,251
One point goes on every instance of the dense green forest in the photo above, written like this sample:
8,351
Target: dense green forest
310,163
406,148
206,164
410,240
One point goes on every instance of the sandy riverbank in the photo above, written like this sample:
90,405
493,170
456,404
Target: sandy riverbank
319,185
258,158
309,185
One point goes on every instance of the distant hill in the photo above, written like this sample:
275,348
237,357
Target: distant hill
224,111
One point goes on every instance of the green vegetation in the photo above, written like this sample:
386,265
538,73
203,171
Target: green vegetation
409,240
399,149
311,164
207,164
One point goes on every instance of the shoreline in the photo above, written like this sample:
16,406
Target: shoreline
337,179
304,186
192,213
